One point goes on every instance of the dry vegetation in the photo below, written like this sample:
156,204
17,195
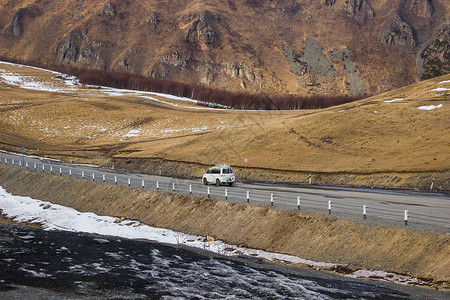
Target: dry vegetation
369,142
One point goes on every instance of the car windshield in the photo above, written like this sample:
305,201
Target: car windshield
227,171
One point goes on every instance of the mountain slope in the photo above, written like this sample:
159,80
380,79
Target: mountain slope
288,46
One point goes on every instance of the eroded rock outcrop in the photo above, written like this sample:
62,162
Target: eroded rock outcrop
419,8
202,32
69,47
397,32
359,11
15,28
76,47
436,57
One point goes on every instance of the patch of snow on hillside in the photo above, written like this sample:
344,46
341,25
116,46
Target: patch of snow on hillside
31,83
394,100
446,81
440,90
430,107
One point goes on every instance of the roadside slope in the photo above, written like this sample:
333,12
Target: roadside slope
424,255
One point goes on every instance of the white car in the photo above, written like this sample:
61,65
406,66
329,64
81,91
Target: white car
220,174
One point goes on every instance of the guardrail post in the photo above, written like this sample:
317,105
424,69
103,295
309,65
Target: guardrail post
93,176
60,171
271,199
12,162
310,180
43,168
70,172
157,186
432,184
190,189
248,196
143,184
173,186
82,174
51,169
209,192
115,179
129,182
406,217
6,161
26,165
104,178
20,163
226,194
365,212
329,207
298,203
35,166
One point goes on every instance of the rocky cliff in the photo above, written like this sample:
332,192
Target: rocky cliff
287,46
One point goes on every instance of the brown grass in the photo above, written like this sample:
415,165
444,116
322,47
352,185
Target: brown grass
313,237
370,138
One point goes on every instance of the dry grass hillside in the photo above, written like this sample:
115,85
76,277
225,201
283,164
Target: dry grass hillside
288,46
386,140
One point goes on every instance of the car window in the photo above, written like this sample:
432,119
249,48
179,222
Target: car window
208,172
215,171
227,171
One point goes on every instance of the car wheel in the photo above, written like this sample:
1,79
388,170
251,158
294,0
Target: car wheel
205,182
217,182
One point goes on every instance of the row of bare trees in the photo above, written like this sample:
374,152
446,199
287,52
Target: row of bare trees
205,95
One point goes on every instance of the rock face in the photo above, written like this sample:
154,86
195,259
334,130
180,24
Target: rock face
201,32
285,46
437,55
397,32
69,47
15,28
419,8
359,11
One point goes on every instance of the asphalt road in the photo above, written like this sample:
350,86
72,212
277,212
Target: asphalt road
383,207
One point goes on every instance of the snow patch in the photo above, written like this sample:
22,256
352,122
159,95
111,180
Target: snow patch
57,217
445,81
440,90
393,100
430,107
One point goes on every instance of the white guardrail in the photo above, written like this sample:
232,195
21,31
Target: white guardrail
365,211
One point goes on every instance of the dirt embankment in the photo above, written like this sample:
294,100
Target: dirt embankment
425,255
419,181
